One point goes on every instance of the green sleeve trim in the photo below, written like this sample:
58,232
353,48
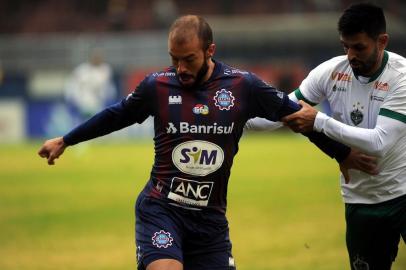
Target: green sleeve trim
393,115
299,96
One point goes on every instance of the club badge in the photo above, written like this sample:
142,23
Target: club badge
162,239
356,115
224,99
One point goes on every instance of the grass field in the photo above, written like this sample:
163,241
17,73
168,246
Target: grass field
284,206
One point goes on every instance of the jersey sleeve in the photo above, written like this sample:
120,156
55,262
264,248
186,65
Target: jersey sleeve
313,87
394,105
262,124
268,102
135,108
376,141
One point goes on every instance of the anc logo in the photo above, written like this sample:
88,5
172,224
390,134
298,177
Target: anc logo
190,192
197,157
224,100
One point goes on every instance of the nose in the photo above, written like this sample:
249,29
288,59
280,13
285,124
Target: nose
351,54
181,67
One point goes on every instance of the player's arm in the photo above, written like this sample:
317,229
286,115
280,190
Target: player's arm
274,105
389,128
262,124
269,103
133,109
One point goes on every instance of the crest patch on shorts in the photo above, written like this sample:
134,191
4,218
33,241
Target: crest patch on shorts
162,239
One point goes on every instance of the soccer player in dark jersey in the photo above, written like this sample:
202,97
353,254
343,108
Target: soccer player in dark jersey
200,107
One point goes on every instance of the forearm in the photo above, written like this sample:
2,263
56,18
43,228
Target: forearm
109,120
374,141
262,124
330,147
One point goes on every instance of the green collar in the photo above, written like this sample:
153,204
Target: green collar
379,71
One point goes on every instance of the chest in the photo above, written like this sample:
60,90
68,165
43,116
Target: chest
213,111
356,103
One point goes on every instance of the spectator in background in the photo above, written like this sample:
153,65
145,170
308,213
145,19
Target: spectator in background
90,88
117,14
164,12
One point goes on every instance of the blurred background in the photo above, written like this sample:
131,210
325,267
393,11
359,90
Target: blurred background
48,48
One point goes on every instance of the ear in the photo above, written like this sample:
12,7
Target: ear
211,50
383,40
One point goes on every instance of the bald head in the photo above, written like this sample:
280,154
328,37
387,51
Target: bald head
189,26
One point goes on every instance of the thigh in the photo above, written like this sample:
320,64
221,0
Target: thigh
371,242
158,234
398,216
207,245
165,264
215,260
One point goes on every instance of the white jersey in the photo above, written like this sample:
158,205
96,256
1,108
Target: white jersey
359,102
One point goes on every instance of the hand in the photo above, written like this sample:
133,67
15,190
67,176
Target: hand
52,149
358,161
303,120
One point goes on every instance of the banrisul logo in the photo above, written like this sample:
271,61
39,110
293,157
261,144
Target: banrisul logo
198,157
224,99
185,127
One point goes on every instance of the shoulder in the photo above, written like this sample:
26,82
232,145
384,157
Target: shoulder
396,63
337,64
165,75
224,70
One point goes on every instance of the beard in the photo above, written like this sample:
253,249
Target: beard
198,78
365,68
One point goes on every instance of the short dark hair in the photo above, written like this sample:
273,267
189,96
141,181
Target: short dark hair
362,17
196,24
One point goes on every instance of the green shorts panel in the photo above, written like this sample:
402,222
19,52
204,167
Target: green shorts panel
373,233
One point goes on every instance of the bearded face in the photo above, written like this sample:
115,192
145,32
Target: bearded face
363,53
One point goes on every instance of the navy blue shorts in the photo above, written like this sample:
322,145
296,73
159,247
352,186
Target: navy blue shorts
198,239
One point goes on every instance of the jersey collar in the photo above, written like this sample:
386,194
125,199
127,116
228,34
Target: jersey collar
379,71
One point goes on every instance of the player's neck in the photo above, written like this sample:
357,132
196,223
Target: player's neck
377,65
210,69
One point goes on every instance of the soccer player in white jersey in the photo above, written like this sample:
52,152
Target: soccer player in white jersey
366,90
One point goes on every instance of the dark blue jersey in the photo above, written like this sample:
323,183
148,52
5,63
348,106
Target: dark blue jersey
196,130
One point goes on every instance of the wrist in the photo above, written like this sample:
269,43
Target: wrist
320,121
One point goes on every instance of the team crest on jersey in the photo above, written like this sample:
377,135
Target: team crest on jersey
356,115
162,239
224,99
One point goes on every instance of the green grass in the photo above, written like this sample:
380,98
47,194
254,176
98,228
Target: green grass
284,206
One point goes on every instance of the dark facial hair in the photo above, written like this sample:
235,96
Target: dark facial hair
200,75
367,65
